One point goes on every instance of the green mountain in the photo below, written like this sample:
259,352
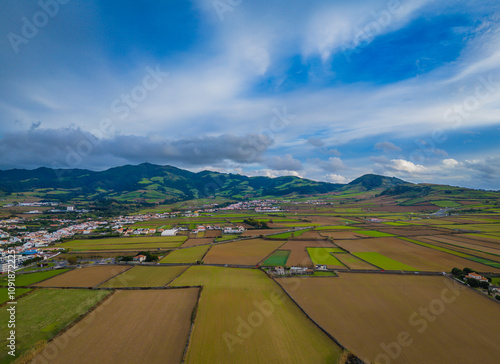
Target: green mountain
152,183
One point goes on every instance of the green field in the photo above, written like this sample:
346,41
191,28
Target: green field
133,243
45,312
373,233
228,237
186,255
279,257
31,278
288,235
446,203
324,256
485,261
280,332
383,262
4,297
143,276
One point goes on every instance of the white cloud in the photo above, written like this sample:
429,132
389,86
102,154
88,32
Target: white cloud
336,178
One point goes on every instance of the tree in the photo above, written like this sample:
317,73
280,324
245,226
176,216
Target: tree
456,272
473,282
484,285
497,297
72,260
468,270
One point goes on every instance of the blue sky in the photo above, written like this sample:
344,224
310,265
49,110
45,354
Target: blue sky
327,90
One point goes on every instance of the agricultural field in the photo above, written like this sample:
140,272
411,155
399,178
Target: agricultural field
31,278
278,258
373,233
352,262
84,277
420,257
196,242
132,243
186,255
148,327
373,311
144,276
244,252
258,232
382,261
341,234
298,251
259,325
43,313
4,296
324,256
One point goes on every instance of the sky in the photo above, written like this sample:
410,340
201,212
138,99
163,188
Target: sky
321,89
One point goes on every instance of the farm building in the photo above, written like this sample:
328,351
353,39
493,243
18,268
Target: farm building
279,271
231,230
139,258
321,267
479,277
170,232
298,270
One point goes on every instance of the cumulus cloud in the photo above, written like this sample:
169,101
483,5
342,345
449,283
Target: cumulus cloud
401,165
450,163
76,148
387,147
333,164
284,163
336,178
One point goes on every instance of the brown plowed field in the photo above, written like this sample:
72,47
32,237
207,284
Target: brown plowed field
84,277
468,243
213,233
311,235
366,311
131,327
417,256
341,234
196,242
298,251
410,232
245,252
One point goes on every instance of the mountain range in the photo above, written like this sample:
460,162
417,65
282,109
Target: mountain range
154,182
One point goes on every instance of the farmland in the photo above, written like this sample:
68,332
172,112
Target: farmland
84,277
324,256
143,276
279,257
186,255
44,312
31,278
196,242
383,262
284,334
133,243
4,297
371,310
245,252
298,251
147,326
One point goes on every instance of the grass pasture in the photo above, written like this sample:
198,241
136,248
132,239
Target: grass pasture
197,242
244,252
4,296
278,258
45,312
84,277
352,262
144,276
186,255
382,261
324,256
284,335
370,309
373,233
148,327
32,278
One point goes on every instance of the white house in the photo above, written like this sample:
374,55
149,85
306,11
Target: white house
321,267
170,232
139,258
279,271
298,270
